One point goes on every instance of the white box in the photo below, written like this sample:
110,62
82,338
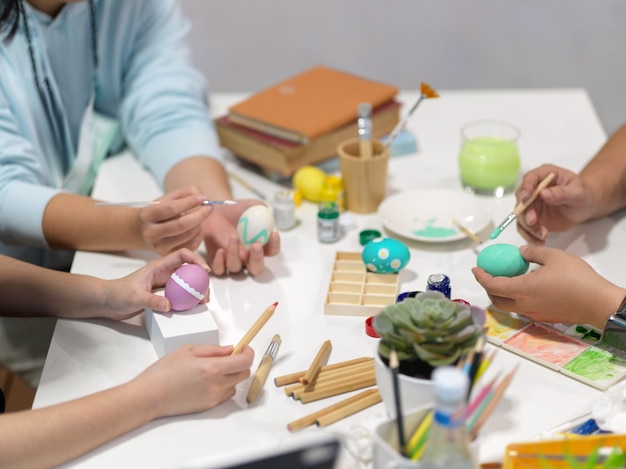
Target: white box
169,331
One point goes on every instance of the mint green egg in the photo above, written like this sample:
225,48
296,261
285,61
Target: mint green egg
502,260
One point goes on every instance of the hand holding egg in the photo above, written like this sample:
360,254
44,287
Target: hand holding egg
255,225
187,287
502,260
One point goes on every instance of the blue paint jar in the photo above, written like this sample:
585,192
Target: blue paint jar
439,282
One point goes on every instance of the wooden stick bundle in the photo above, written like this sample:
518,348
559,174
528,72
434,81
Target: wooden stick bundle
346,407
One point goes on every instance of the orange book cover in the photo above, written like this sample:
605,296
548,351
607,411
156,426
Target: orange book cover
310,104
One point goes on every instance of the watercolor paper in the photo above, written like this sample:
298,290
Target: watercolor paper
596,367
501,326
544,345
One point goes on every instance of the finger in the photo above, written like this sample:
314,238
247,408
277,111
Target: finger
169,209
190,240
158,303
535,236
272,247
177,223
256,259
537,254
174,260
218,264
233,259
532,179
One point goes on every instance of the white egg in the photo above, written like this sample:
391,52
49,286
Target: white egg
255,225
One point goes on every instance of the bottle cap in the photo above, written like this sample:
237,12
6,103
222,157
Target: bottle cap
450,383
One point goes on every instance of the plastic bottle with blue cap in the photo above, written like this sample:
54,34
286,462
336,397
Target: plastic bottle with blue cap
448,444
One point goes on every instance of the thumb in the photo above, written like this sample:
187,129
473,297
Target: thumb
158,303
535,254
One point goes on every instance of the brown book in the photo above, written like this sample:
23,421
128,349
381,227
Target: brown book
284,156
308,105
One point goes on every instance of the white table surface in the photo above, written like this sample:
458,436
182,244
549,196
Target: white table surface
557,125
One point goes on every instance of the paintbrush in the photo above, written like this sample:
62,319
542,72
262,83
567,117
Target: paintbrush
519,209
469,233
426,91
146,203
364,124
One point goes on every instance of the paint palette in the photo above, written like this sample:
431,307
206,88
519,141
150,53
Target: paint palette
353,291
427,215
574,350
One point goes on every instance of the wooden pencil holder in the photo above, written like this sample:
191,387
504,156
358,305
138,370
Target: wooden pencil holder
364,178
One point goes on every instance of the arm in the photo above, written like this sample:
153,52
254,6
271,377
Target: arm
173,224
166,120
190,379
28,290
220,228
605,175
563,289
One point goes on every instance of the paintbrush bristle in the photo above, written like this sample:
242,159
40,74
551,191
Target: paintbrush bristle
428,91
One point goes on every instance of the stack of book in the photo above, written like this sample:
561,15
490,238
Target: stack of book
301,120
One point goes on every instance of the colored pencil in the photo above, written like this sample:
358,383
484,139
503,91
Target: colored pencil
417,443
394,365
256,327
320,359
475,364
497,394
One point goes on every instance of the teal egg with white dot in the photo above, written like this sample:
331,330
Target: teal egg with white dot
385,255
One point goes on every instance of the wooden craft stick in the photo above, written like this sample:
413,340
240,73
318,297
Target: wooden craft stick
349,409
339,381
327,376
256,327
339,389
493,402
294,377
320,359
310,419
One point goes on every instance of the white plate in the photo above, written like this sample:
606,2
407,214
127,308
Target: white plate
426,215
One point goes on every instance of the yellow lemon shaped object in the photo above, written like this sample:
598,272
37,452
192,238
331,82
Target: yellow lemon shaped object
309,180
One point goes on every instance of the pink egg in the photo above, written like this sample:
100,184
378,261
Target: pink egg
187,287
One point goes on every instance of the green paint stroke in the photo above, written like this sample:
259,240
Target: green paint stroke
435,231
595,365
262,235
587,334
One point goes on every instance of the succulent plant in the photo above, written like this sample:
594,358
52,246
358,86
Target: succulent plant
429,327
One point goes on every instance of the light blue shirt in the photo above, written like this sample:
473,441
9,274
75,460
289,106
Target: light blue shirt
147,83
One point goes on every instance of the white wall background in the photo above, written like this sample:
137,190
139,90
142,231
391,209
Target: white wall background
247,45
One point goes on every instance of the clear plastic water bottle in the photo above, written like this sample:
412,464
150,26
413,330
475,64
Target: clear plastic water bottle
448,444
